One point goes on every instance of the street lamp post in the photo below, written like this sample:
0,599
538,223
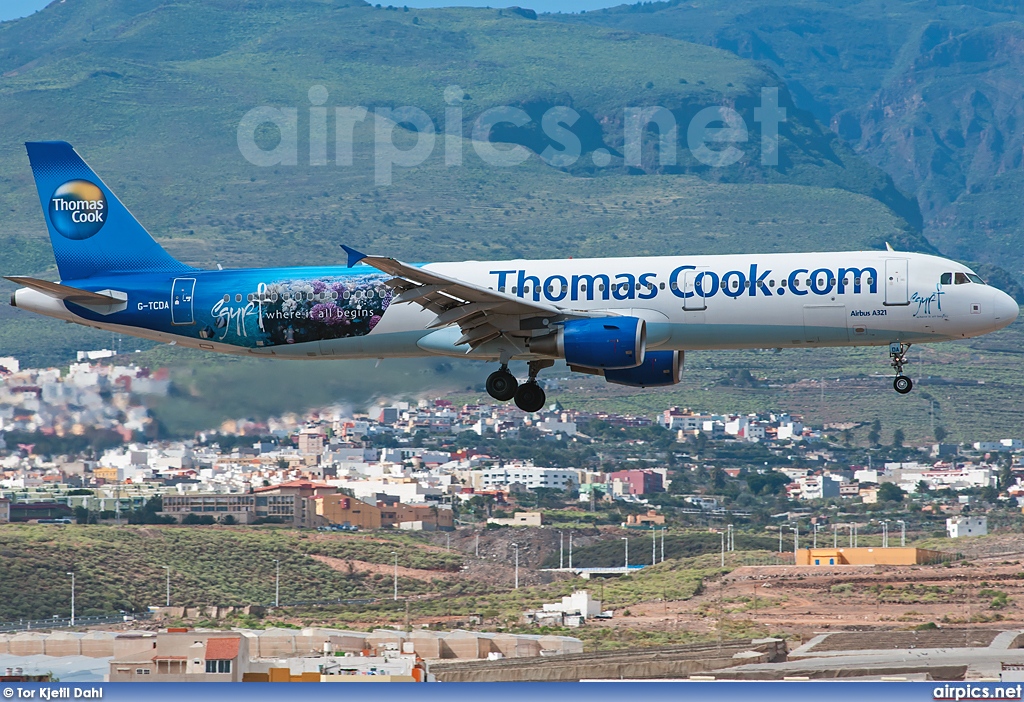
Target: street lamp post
570,550
885,533
561,548
731,538
277,583
796,541
903,532
814,535
168,569
663,544
722,535
516,547
394,579
654,546
626,539
72,598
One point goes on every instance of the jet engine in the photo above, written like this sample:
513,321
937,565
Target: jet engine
603,343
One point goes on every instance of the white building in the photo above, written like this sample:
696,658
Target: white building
529,476
966,526
816,487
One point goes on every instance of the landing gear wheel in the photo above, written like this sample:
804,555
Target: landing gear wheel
902,384
501,385
530,397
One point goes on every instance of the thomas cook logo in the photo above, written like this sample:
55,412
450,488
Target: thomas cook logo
78,209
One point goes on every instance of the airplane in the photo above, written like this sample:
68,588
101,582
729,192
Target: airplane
630,320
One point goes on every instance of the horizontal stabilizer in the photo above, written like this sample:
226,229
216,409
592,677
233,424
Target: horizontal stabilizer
69,294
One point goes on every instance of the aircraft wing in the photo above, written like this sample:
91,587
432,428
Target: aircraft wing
481,313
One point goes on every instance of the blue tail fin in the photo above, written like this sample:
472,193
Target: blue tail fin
92,233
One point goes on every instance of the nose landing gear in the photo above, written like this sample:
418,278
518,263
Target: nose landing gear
898,358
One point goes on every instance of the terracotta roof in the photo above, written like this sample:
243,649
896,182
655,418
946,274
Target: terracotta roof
222,648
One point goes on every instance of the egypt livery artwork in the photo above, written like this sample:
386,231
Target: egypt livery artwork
299,310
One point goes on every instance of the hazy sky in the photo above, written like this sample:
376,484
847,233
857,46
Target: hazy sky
11,9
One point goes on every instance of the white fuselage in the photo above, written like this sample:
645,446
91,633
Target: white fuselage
859,298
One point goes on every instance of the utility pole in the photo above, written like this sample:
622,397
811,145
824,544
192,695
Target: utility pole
516,547
626,539
729,536
477,552
277,583
72,598
835,536
796,541
561,548
663,544
885,533
570,550
903,532
722,534
448,542
168,569
395,578
654,546
780,538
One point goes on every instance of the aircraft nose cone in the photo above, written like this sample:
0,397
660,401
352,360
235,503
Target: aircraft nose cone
1004,309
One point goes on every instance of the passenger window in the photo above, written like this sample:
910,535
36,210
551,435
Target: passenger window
960,279
946,279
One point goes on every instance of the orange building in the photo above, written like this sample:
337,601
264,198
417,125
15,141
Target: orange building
342,509
868,556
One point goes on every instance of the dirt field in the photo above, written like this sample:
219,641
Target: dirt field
804,601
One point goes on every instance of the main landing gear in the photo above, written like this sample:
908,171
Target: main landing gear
529,397
898,358
502,385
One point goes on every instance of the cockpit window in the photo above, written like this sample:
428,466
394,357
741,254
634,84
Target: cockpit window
946,279
975,278
960,278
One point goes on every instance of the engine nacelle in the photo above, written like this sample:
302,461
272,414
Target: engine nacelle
658,368
605,343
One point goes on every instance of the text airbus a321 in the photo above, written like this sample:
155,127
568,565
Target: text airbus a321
627,319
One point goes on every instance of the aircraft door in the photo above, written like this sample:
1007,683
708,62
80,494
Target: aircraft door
182,293
896,281
696,301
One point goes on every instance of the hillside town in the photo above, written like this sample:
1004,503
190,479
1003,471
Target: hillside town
420,465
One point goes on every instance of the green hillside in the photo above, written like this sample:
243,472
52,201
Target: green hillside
152,93
928,91
123,568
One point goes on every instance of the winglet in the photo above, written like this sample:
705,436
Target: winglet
888,247
354,256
